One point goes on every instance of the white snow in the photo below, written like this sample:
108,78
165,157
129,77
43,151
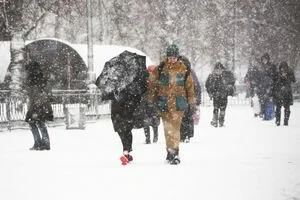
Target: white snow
249,159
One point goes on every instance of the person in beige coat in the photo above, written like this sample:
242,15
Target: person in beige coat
171,88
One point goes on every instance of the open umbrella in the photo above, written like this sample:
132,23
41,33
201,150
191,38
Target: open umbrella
125,73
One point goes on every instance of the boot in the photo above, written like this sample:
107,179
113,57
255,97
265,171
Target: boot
147,135
155,134
175,160
277,122
36,136
45,144
214,121
35,147
126,158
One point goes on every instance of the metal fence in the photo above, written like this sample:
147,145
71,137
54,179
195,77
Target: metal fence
13,110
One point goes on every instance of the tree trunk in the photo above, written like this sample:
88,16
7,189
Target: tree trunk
17,45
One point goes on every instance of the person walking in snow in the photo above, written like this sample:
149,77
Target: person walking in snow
39,105
252,79
123,81
187,124
283,95
265,88
146,116
172,89
219,85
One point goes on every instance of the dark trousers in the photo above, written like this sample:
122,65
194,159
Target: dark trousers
220,105
126,139
147,132
287,112
39,131
187,125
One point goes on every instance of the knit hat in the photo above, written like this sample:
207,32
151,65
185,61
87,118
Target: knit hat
219,65
172,50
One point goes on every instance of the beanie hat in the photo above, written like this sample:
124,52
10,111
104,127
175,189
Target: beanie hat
219,65
172,50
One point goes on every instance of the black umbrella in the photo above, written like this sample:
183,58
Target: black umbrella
125,72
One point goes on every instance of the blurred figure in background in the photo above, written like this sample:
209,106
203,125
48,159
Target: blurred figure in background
39,105
219,85
283,95
187,124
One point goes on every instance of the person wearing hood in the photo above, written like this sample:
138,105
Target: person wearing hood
266,85
188,122
283,95
219,85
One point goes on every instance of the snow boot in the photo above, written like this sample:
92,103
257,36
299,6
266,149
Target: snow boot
35,147
45,144
187,139
172,156
126,158
175,160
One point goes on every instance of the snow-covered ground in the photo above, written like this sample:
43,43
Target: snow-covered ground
249,159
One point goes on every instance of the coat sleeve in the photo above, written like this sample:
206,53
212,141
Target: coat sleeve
208,84
197,87
152,86
190,90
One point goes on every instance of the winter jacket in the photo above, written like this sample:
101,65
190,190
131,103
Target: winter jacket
39,104
123,106
252,78
145,114
171,89
265,87
197,88
220,85
283,90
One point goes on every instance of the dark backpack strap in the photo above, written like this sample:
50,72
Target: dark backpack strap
160,68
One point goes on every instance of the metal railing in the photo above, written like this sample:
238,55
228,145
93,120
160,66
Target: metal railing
13,110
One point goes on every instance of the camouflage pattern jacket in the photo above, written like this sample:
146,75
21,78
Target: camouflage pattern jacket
171,89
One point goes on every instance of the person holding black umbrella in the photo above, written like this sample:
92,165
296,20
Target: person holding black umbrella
123,81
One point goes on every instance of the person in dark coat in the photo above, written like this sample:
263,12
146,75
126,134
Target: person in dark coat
187,124
39,105
265,88
252,80
283,95
219,85
122,118
146,116
125,100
